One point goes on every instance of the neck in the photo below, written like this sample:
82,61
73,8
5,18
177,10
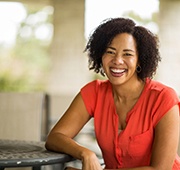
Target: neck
127,92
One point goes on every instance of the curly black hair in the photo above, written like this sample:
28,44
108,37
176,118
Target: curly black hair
147,45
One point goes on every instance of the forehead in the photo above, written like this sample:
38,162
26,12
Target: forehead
123,40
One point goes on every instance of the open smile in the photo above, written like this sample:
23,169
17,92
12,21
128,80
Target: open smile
117,72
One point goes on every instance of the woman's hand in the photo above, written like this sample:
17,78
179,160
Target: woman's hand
90,161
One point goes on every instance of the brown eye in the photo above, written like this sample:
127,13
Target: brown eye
128,54
110,52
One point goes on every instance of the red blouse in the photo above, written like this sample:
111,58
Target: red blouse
131,147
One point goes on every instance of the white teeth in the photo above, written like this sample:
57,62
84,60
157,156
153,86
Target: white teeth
117,70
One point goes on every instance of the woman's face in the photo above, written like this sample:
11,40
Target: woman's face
120,60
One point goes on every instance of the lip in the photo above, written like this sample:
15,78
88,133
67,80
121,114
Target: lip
117,72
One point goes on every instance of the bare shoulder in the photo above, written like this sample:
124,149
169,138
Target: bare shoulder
75,117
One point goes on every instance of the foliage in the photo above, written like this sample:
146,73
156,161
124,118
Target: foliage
11,83
24,66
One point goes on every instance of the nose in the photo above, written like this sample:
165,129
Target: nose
118,59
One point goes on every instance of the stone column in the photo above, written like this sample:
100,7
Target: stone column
169,26
69,71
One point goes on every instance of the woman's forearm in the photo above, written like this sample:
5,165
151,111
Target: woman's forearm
60,143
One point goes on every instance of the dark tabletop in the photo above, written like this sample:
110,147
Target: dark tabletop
14,153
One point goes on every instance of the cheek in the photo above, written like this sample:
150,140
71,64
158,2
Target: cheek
105,60
105,64
133,62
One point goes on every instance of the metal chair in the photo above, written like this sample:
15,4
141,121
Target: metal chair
23,116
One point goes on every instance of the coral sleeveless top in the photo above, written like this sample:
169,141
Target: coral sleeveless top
131,147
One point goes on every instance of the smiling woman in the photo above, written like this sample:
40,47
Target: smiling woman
136,118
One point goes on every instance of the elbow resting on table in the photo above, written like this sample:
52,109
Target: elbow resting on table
48,144
58,142
51,142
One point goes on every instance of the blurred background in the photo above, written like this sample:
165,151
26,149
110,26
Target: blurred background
42,42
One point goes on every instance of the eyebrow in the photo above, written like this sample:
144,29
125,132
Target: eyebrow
125,50
128,50
111,48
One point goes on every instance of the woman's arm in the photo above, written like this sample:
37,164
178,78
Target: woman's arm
166,140
60,139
